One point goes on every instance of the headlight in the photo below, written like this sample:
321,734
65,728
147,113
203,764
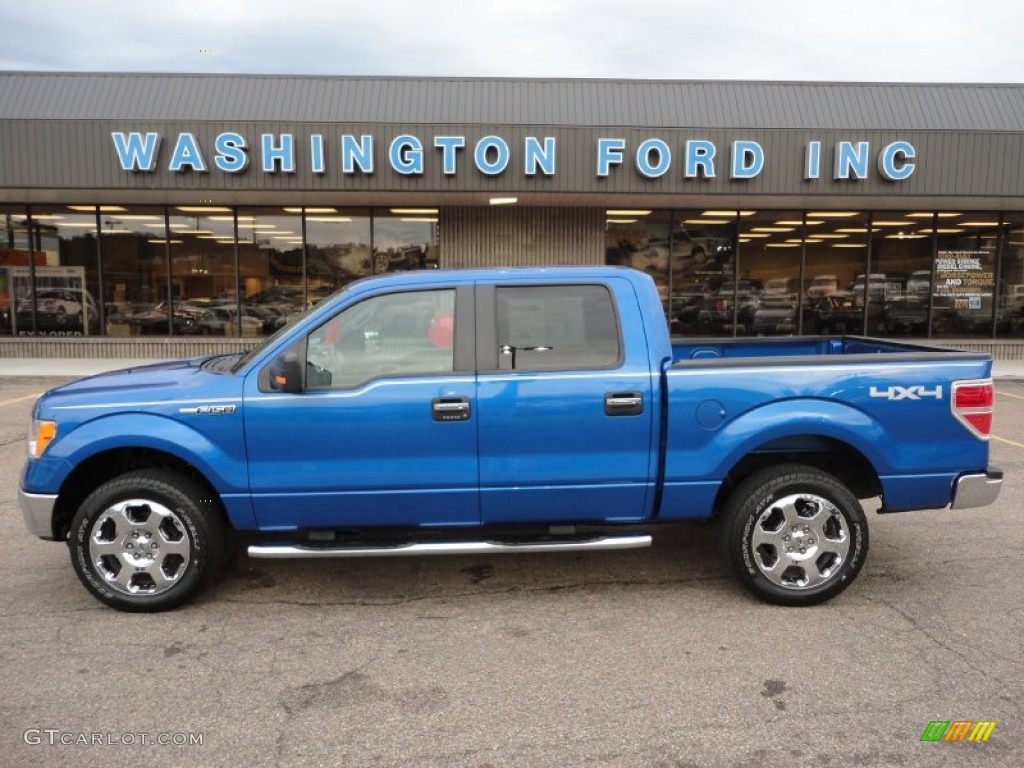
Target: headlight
40,435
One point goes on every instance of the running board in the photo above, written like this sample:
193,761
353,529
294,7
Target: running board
281,551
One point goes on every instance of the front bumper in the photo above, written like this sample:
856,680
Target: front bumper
38,511
977,489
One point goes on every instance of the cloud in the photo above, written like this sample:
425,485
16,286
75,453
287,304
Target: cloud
872,40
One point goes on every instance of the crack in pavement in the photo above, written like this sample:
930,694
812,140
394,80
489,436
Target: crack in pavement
480,593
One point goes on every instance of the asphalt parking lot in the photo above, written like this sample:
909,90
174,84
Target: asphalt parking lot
646,657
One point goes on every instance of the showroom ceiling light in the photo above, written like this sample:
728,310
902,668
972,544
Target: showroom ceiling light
504,200
202,209
626,212
414,211
103,208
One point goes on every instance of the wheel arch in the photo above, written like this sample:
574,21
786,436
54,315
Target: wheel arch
829,454
97,469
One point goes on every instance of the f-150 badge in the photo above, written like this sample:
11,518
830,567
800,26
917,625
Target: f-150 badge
208,410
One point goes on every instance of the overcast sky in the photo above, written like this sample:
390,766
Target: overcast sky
869,40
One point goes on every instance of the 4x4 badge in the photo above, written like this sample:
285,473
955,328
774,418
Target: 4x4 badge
915,392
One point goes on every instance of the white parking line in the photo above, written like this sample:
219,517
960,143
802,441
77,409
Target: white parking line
14,400
1008,442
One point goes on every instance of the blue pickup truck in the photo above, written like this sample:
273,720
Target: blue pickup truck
503,411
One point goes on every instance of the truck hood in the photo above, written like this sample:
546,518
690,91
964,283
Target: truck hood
144,385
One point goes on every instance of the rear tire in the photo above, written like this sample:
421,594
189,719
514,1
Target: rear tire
794,535
147,541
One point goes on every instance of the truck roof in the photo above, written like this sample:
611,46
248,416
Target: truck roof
448,276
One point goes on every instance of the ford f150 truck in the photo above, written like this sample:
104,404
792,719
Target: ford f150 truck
503,411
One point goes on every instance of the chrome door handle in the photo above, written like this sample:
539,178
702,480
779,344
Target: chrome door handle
623,403
450,408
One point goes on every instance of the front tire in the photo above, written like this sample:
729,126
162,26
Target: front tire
147,541
794,535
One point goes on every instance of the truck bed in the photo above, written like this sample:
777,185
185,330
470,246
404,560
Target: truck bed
704,350
829,396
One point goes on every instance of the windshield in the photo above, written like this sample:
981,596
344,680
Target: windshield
244,360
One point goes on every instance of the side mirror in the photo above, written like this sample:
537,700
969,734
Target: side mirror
286,373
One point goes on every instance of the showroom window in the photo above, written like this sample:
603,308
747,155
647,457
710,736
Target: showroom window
13,252
133,255
640,239
66,275
338,248
898,284
963,293
1010,306
405,239
271,267
202,250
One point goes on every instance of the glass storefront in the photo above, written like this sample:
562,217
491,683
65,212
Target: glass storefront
76,270
935,274
70,270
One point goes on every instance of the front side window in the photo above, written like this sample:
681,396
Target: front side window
565,327
396,334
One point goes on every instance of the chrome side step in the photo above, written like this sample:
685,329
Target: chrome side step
281,551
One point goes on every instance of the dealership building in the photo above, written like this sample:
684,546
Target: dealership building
144,215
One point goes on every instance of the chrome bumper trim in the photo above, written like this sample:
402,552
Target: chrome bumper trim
977,490
450,548
38,511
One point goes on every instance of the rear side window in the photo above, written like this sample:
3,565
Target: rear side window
549,328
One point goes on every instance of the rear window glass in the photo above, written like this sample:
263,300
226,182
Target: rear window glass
544,328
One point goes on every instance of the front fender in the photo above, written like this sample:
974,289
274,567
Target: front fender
218,453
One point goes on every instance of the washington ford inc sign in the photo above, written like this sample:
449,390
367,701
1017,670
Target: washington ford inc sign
493,156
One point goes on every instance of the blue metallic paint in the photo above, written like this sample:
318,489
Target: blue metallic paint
539,448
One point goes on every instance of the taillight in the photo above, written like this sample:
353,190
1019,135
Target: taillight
972,404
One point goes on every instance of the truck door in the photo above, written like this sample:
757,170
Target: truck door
384,432
564,404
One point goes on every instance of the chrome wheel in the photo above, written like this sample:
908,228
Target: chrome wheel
800,541
795,535
139,547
